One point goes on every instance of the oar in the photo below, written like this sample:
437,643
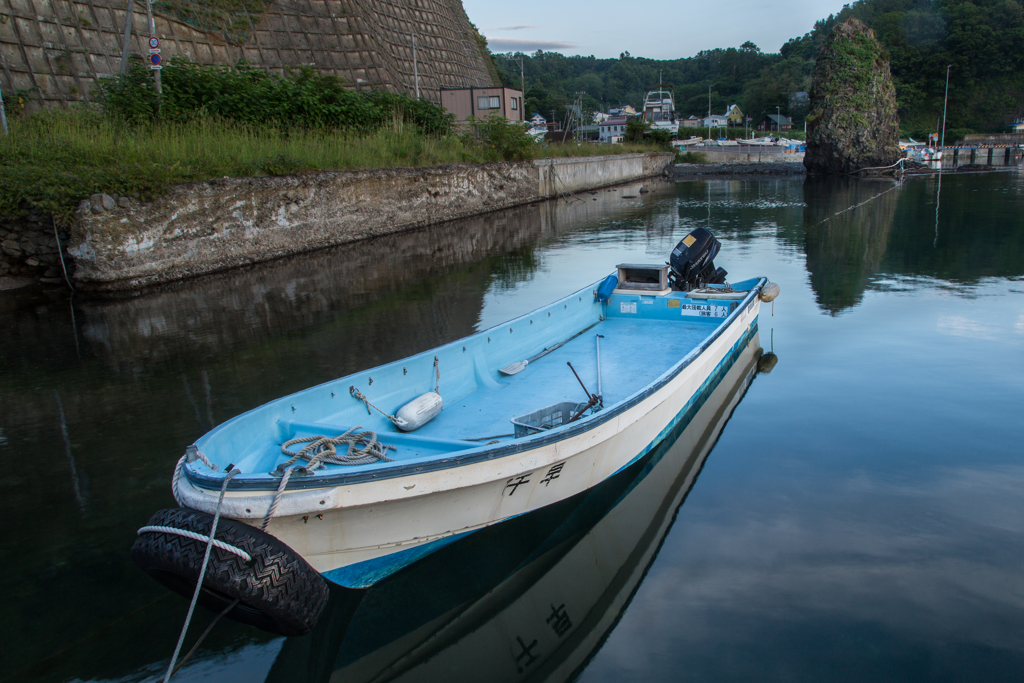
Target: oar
519,366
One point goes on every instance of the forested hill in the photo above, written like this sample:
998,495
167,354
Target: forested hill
982,39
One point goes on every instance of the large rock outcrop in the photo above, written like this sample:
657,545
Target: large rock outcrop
853,123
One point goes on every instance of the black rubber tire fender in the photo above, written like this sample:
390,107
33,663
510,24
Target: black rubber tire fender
279,591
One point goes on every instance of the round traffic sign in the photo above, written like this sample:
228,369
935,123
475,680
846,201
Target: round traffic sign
153,42
155,60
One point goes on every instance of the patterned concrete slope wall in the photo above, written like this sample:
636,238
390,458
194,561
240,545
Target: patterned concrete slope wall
54,51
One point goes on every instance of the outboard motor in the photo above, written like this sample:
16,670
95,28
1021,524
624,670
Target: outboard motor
692,262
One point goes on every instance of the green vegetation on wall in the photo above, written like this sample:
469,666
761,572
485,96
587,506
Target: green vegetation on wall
235,20
246,94
485,54
218,121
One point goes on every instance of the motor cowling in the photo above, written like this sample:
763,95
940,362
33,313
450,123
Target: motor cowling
692,261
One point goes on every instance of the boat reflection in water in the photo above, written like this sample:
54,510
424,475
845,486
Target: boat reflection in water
531,598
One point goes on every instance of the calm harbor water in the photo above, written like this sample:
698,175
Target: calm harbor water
856,513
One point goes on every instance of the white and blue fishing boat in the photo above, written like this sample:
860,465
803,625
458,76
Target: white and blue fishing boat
563,574
354,479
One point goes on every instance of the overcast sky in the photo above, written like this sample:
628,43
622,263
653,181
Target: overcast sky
658,30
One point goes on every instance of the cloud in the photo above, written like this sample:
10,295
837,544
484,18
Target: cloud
519,45
960,326
518,27
908,566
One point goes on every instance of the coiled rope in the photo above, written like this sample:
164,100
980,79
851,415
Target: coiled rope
320,450
363,449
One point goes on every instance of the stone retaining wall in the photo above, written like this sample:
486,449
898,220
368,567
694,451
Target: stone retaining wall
213,226
28,247
54,52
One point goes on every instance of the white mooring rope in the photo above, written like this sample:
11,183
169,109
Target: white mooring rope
202,572
196,537
277,498
178,472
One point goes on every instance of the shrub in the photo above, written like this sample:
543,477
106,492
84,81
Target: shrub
245,94
636,129
690,158
662,138
508,140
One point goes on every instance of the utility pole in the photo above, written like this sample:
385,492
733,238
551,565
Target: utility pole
152,37
3,113
709,111
127,35
944,101
415,68
778,116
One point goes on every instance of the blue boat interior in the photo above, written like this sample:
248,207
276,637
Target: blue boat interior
642,336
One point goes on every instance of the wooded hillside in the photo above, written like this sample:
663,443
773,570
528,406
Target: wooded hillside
982,39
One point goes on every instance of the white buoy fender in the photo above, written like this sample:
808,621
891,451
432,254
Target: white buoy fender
769,292
418,411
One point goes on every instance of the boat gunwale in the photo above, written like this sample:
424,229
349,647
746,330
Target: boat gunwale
481,454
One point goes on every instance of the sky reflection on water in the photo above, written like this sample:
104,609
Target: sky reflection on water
859,518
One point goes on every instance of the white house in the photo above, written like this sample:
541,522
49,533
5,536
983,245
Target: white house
600,117
715,121
611,127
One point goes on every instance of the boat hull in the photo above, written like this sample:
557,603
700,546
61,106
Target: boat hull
583,565
370,530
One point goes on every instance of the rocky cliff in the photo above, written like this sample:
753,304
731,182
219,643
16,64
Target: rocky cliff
853,122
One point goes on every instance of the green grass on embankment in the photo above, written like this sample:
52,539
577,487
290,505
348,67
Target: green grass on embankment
53,160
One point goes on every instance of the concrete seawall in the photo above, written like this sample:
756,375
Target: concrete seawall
212,226
750,157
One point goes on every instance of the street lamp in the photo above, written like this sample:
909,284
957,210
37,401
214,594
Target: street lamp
945,99
709,111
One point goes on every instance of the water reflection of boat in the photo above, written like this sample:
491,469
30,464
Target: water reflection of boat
531,598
